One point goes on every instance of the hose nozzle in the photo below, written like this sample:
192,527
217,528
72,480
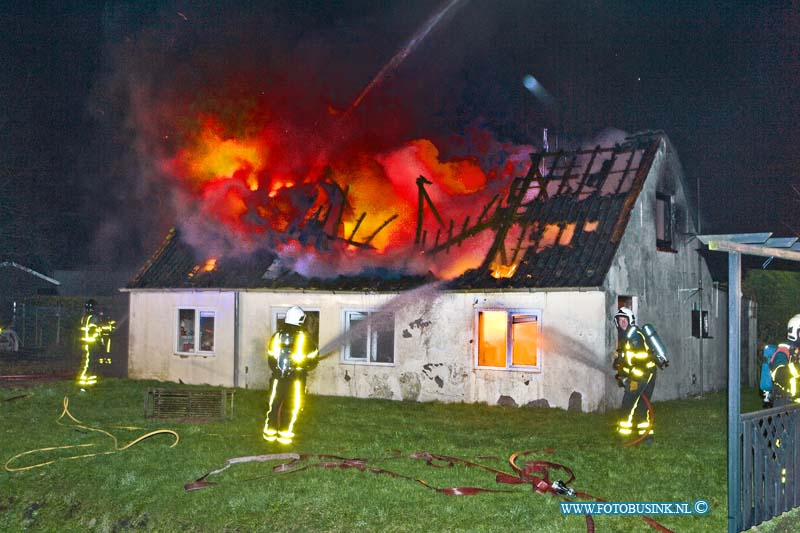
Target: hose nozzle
559,487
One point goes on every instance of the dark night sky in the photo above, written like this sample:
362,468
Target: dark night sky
77,80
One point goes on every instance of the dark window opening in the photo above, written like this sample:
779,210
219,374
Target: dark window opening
664,222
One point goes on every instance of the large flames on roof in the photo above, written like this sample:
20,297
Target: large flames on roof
329,197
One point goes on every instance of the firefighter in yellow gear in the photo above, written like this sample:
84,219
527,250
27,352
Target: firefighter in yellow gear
785,366
95,336
291,354
639,353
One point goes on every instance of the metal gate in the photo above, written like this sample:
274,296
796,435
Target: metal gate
770,463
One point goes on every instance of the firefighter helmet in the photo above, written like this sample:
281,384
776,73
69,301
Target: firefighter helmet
295,316
793,327
627,313
90,306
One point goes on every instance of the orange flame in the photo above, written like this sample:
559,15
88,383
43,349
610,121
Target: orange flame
503,271
257,175
591,225
215,158
211,264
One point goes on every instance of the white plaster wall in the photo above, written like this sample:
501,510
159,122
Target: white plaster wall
332,376
152,342
572,356
434,345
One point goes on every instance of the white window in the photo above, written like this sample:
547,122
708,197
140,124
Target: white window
195,331
509,338
369,341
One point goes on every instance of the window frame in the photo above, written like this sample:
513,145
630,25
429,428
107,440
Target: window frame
510,366
281,310
629,301
667,243
198,310
345,357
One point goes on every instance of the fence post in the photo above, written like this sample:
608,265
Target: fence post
24,322
734,387
37,338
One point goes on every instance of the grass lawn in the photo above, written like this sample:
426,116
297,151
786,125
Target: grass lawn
142,488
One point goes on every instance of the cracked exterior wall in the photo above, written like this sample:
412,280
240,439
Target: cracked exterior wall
152,338
434,343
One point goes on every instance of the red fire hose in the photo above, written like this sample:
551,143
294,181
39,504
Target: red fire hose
535,473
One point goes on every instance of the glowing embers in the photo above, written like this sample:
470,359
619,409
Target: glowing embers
556,234
277,185
568,230
500,271
591,225
210,265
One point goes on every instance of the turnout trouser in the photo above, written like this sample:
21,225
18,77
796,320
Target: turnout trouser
285,402
635,418
86,378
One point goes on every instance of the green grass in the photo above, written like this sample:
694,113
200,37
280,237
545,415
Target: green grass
142,488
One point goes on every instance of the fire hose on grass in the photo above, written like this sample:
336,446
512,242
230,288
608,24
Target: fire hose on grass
535,473
75,423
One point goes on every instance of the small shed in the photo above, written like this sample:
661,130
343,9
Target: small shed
18,282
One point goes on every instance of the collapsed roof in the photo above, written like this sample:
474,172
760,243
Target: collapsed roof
557,226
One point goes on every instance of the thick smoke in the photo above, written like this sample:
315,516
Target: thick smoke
238,126
185,85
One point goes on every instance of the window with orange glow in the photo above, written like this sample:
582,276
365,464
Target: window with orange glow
492,336
508,338
524,339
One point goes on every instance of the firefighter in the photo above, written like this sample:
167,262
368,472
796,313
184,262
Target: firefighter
95,331
639,353
291,355
784,367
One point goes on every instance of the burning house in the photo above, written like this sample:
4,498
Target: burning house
499,293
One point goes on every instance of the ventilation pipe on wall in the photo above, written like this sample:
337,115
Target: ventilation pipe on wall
700,292
700,339
236,338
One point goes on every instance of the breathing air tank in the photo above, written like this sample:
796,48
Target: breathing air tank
655,343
